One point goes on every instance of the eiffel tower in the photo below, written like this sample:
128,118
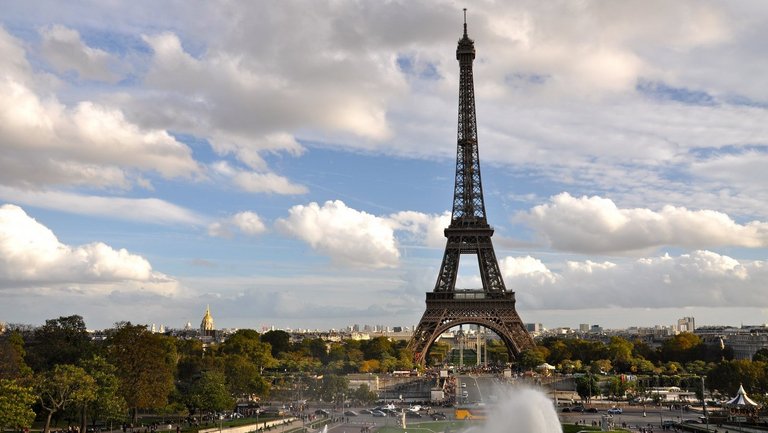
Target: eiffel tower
492,307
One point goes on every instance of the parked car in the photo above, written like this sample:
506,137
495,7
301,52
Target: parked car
322,412
350,413
438,416
591,410
378,413
411,414
366,411
566,409
615,411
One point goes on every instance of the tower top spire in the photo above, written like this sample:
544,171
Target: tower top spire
465,22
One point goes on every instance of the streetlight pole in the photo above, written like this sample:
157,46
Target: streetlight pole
704,402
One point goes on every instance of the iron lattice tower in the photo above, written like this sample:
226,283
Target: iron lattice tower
492,307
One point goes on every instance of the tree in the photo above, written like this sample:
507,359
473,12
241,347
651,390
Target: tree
761,355
15,405
600,366
145,364
60,341
210,393
243,378
620,353
280,341
364,395
108,405
683,347
246,342
63,386
617,387
333,387
438,352
12,365
376,348
586,387
532,358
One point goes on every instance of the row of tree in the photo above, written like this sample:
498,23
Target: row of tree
58,370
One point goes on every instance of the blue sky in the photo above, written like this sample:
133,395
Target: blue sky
291,163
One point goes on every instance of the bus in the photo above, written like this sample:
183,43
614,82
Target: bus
469,413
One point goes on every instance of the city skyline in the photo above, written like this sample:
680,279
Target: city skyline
292,164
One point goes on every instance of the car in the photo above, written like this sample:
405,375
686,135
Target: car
378,413
566,409
438,416
322,412
366,411
464,394
577,409
463,384
350,413
411,414
615,411
591,410
691,421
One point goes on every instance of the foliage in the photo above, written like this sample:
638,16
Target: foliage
333,387
108,405
280,341
210,393
12,365
60,341
243,378
63,386
364,395
617,387
587,387
247,343
533,357
15,405
145,365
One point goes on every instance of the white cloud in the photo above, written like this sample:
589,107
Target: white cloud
248,223
148,210
698,279
248,100
347,236
597,225
31,257
64,49
425,229
45,142
255,182
267,183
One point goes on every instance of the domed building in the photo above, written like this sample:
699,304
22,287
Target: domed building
206,326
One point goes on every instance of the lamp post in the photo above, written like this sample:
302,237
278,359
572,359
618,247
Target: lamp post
704,403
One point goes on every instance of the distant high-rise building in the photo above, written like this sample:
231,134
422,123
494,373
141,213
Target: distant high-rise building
534,327
583,327
596,329
686,324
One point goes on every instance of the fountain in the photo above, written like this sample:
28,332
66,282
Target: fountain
520,410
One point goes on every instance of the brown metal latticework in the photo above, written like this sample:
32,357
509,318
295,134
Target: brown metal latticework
492,307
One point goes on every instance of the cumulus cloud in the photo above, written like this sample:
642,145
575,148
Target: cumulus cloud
66,51
347,236
597,225
697,279
261,95
45,142
423,228
246,222
32,257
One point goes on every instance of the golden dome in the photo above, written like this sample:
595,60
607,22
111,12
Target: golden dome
207,323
